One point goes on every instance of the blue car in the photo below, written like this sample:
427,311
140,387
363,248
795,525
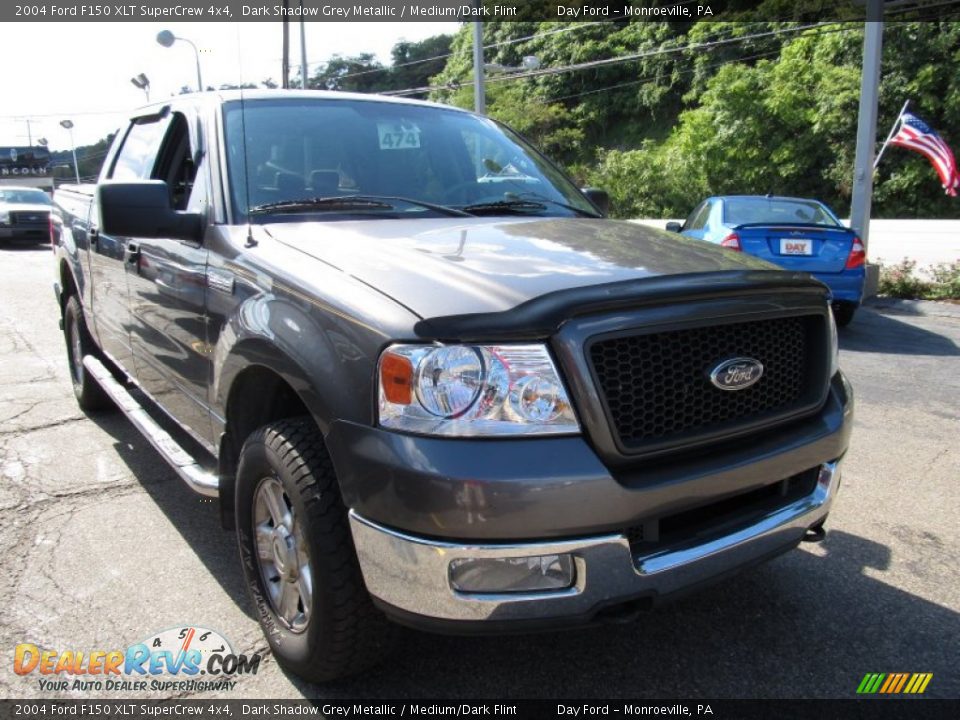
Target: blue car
795,233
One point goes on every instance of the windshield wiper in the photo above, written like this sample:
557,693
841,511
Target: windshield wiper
522,206
351,202
517,206
573,208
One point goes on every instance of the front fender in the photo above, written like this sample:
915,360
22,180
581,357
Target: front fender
326,359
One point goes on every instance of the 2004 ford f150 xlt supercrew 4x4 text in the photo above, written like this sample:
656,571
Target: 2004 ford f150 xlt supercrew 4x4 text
428,381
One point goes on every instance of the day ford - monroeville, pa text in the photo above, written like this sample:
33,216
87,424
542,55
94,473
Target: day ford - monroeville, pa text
429,382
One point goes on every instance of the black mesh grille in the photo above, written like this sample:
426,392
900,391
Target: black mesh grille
658,391
29,217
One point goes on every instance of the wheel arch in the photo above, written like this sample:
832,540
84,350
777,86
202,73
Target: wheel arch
260,384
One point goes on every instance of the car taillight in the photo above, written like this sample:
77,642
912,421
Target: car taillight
53,244
858,255
731,242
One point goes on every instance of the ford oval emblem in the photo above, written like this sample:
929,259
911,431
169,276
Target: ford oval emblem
736,373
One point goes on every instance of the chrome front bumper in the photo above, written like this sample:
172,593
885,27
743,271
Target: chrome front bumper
411,574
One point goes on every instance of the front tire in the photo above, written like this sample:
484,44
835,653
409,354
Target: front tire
298,557
90,396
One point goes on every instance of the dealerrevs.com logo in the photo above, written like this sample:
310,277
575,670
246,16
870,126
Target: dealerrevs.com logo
181,659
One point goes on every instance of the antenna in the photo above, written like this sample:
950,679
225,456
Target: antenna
251,241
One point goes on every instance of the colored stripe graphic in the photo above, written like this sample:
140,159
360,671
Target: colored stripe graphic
894,683
870,683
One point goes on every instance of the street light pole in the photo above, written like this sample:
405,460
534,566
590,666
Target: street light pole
143,82
68,124
167,38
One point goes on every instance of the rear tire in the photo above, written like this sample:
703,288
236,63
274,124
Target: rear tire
843,313
90,396
298,556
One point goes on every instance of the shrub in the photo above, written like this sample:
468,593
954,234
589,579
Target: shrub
946,280
900,281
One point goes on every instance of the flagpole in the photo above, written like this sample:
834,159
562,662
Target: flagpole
893,131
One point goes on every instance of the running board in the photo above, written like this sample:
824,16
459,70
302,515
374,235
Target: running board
189,470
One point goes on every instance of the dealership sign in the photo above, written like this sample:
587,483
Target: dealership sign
24,161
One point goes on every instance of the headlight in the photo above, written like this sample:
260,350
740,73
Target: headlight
4,217
471,390
834,345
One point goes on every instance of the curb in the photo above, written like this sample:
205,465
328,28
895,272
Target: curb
927,308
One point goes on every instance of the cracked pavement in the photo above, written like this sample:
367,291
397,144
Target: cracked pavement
104,546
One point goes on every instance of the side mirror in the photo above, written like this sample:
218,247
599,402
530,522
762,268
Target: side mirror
143,209
674,226
600,198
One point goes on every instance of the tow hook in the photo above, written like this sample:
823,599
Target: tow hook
815,534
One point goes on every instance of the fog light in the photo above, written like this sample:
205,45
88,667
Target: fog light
520,574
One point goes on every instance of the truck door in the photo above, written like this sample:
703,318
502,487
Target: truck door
110,256
168,279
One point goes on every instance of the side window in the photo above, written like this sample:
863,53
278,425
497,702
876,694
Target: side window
175,164
138,154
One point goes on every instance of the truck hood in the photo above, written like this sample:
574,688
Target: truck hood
453,266
25,207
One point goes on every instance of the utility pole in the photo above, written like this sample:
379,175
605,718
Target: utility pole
303,49
479,92
285,84
867,124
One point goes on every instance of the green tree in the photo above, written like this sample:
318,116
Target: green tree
358,73
412,64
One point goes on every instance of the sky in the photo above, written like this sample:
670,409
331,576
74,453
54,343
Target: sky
82,71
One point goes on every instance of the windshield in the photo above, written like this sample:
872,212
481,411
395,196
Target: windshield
285,150
746,210
24,197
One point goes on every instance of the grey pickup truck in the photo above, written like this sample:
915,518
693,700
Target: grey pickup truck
429,382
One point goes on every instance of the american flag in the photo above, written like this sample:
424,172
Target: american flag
915,134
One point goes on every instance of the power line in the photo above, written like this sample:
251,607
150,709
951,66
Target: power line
683,72
23,116
643,55
621,59
648,78
463,52
920,7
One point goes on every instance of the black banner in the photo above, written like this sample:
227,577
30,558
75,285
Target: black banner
469,10
874,709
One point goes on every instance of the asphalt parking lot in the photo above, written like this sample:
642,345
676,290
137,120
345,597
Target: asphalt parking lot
104,546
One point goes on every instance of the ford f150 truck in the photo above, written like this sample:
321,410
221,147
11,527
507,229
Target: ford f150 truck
428,380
